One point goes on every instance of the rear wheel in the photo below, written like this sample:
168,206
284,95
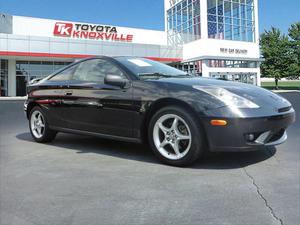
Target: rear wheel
39,127
175,137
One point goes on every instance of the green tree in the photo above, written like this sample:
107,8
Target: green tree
277,53
294,34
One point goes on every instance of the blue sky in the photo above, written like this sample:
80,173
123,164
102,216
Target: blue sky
147,14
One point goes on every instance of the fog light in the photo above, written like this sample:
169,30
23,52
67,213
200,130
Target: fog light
250,137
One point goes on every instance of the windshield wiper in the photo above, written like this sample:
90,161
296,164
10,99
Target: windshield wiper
183,75
156,74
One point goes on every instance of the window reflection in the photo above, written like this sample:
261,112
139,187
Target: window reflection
227,19
231,19
184,22
29,70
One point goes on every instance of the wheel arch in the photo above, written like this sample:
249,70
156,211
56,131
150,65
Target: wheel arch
30,106
159,104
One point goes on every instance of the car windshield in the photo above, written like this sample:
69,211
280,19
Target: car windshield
147,69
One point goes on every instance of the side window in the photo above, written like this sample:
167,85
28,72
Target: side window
94,70
64,75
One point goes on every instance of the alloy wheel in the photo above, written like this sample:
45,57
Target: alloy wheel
172,136
37,124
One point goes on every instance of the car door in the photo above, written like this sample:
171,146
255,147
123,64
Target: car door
93,106
51,92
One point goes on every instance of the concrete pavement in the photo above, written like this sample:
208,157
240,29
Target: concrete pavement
78,180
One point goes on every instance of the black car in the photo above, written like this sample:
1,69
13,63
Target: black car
140,100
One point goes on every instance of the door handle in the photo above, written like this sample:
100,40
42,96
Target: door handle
68,93
97,104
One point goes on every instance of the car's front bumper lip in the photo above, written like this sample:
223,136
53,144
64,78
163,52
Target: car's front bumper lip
262,139
266,131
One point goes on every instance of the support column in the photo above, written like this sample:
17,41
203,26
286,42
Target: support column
12,91
194,67
205,68
258,81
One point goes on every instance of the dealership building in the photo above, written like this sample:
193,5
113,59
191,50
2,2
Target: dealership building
209,38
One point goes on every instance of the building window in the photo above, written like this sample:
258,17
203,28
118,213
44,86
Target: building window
248,78
3,77
183,22
28,70
231,20
232,64
193,67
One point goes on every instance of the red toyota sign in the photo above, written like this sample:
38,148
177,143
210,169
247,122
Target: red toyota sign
88,31
63,29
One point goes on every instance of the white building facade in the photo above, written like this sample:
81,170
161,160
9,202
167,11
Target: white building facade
211,38
219,38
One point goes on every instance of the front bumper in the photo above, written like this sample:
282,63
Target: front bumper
248,134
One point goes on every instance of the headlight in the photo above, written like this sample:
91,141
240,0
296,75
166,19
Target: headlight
227,97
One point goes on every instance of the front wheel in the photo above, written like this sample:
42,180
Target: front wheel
39,127
175,136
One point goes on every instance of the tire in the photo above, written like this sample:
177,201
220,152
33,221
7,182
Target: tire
39,127
164,135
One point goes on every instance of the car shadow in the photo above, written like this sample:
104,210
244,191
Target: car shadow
131,151
232,160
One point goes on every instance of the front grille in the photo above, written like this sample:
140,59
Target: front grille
276,135
267,137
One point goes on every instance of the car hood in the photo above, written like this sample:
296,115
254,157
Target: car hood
258,95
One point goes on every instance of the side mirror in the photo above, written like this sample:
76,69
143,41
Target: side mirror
36,80
115,80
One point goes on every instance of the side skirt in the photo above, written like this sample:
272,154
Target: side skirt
106,136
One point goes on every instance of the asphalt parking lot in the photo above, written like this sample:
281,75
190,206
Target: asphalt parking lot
79,180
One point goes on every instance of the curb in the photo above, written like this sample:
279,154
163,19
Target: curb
12,98
285,91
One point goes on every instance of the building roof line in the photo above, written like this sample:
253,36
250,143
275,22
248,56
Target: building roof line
74,56
223,58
